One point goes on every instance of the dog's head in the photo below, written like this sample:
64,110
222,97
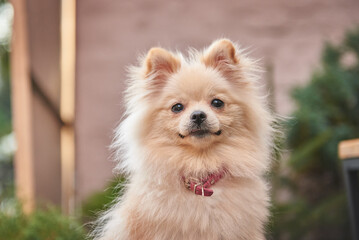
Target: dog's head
208,102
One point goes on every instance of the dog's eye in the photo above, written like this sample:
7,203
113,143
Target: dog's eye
217,103
178,107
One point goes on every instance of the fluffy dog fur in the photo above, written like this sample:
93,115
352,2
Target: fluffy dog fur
155,204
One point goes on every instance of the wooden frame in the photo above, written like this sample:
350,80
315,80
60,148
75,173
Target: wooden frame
349,153
21,93
67,104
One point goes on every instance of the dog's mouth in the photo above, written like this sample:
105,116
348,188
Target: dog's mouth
200,133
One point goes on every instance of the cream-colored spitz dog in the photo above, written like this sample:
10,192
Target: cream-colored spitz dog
195,142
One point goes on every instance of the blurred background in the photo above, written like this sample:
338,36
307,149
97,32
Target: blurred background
62,74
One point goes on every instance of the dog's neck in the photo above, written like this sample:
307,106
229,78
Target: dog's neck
202,186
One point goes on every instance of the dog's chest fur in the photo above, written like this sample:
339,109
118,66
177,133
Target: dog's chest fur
162,212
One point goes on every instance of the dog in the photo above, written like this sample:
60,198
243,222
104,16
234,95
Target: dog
195,142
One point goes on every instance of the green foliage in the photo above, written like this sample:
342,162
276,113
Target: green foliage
41,225
328,112
100,201
5,106
6,166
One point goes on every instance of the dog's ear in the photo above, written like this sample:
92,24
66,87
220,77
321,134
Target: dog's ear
220,54
159,65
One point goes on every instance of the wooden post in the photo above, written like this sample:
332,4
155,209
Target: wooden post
349,153
67,108
22,108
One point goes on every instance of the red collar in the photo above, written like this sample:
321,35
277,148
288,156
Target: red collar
201,187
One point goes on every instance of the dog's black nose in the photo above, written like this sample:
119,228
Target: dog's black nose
198,117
